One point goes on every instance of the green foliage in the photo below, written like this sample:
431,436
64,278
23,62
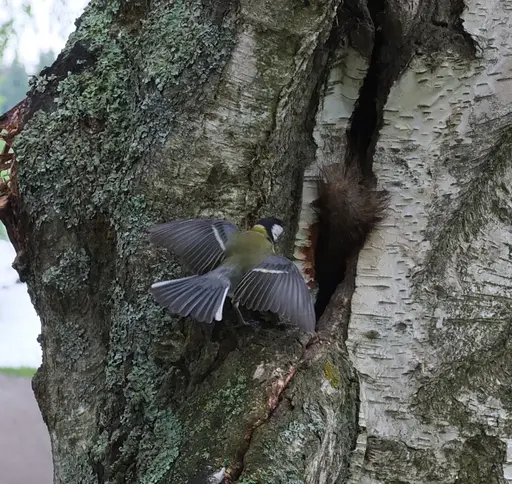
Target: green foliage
6,31
13,85
14,80
22,371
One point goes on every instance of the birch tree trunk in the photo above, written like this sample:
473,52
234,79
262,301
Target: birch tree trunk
194,108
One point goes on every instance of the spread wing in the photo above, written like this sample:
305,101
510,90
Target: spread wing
277,285
198,243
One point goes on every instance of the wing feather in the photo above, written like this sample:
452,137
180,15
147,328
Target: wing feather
259,295
200,297
265,293
277,285
251,291
198,243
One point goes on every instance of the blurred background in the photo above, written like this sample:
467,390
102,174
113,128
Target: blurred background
32,33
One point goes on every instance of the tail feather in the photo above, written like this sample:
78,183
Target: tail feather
200,297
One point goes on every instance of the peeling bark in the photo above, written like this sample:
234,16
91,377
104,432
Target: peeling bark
162,110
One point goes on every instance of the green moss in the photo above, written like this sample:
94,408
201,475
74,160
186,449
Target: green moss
192,48
332,374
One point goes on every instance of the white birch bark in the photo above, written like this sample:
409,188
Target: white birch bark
431,314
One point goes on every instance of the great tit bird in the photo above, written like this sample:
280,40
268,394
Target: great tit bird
241,265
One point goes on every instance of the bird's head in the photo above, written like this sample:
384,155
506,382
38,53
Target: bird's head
271,226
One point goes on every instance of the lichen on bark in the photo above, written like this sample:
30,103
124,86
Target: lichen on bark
162,110
157,111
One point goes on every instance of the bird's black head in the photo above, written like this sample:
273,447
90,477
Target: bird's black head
273,226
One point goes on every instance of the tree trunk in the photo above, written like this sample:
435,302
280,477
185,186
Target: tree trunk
163,110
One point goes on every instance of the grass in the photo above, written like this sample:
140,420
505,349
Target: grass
23,371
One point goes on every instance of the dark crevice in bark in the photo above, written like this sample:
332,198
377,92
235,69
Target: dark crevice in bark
235,471
391,52
337,249
327,270
349,208
390,55
345,222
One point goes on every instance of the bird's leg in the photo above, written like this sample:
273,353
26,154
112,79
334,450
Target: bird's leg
239,315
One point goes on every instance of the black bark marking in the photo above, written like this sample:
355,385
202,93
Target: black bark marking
447,16
79,58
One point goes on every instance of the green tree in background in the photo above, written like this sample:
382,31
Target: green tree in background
14,80
13,85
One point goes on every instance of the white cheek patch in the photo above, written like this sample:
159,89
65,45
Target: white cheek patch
277,230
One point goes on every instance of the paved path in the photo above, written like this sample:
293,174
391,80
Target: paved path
25,456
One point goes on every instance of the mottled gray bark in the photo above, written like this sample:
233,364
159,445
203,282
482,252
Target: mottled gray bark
157,111
161,110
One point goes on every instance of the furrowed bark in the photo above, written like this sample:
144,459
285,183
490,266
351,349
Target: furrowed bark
155,112
162,110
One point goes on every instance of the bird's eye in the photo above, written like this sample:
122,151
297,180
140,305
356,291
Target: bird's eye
277,230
